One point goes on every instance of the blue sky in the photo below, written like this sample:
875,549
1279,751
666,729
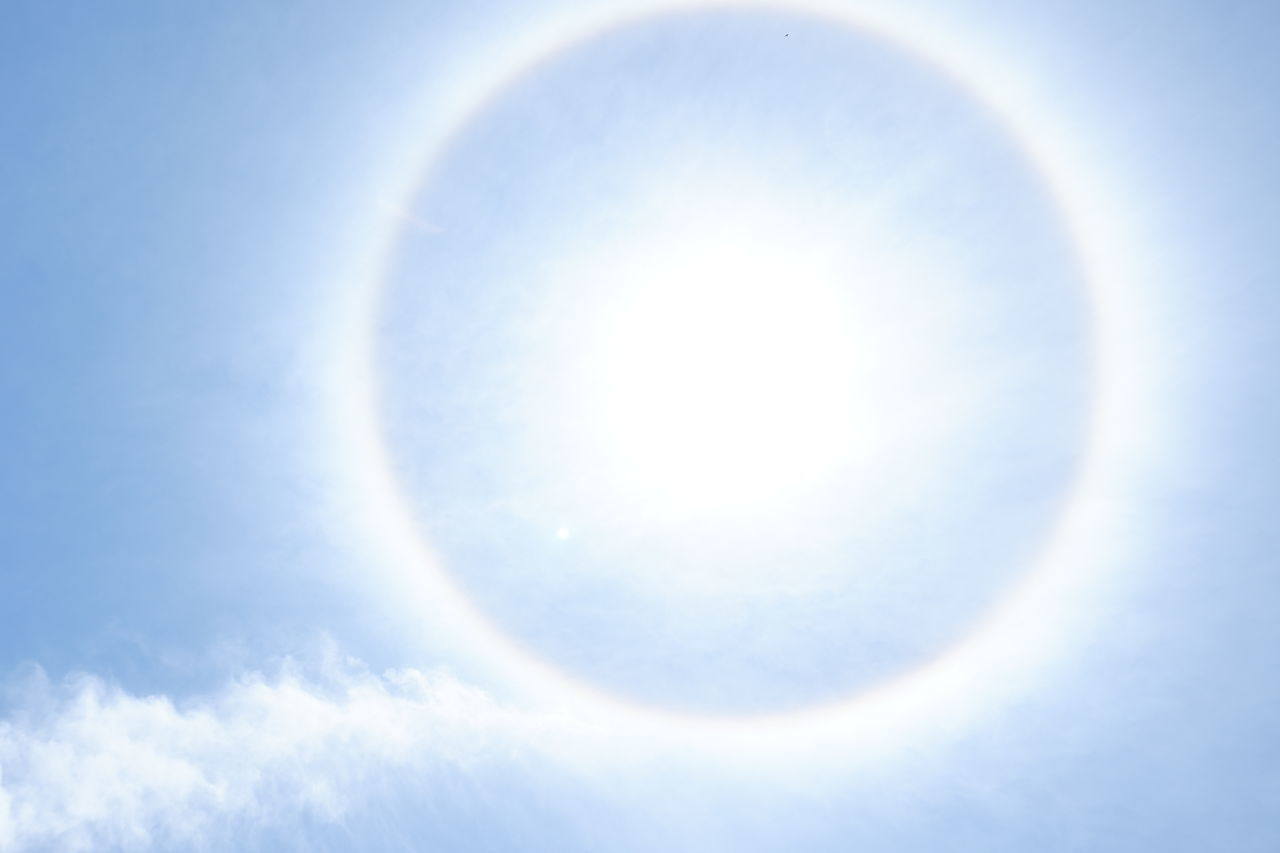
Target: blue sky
726,361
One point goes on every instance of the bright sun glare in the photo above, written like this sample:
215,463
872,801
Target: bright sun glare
725,374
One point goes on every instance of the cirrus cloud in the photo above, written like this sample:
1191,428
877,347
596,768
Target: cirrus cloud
86,765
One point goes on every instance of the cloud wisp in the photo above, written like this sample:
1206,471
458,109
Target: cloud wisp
88,766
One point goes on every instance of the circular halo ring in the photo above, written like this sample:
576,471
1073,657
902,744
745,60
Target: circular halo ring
1016,634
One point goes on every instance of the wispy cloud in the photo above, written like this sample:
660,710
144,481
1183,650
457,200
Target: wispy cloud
85,765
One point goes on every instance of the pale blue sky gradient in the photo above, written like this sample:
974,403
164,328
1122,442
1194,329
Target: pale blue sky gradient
190,195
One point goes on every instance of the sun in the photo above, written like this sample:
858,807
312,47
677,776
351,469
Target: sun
725,372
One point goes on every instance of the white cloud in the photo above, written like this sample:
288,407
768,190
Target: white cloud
87,766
